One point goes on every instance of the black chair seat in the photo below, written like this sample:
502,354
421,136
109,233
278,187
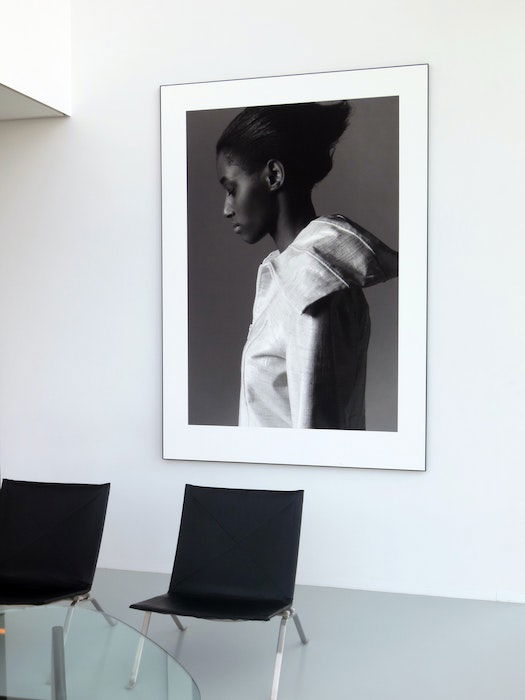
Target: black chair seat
36,596
212,608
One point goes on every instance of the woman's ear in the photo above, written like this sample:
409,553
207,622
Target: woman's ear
274,175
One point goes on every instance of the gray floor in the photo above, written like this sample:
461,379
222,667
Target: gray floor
363,645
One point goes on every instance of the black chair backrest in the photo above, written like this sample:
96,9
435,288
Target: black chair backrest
238,544
50,534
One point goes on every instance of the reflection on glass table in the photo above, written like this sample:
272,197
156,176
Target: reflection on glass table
97,659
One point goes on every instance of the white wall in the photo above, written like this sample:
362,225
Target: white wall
35,50
80,347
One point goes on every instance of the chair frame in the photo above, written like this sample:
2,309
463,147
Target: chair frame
87,598
279,654
73,602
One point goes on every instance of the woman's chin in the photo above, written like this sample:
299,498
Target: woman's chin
250,237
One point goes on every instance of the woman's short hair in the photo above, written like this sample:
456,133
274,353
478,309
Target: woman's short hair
302,136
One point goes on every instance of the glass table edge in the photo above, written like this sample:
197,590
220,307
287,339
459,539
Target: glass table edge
63,604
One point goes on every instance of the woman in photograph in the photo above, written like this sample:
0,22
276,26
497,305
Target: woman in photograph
304,361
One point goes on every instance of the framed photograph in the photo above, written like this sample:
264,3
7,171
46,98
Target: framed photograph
294,262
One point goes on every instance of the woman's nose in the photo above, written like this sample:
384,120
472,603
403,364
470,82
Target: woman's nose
228,210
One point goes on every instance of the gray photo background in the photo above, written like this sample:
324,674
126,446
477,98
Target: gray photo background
363,185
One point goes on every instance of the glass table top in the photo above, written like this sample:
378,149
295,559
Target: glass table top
98,659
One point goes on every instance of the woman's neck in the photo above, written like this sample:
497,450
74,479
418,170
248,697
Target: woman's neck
294,214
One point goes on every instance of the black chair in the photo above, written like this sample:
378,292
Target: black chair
50,538
236,559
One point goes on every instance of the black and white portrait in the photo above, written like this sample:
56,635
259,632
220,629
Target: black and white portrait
283,257
292,182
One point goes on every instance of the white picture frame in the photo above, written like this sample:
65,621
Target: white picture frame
400,448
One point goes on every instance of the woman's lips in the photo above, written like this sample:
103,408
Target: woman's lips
237,228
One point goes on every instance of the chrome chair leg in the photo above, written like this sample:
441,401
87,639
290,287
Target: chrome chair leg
67,621
138,655
279,655
178,623
94,602
299,627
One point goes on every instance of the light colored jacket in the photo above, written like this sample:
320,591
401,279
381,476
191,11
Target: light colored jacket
304,361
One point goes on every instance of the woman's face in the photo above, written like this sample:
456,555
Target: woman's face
249,204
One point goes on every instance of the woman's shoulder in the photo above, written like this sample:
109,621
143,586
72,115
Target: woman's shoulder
331,253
